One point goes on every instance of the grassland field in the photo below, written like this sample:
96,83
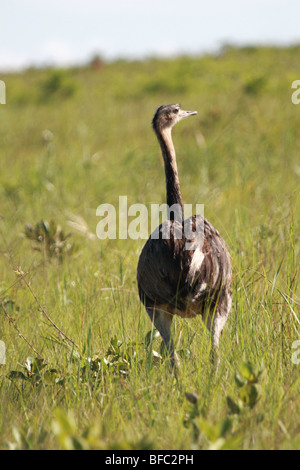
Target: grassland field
84,369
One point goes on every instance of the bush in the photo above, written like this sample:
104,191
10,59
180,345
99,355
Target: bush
59,85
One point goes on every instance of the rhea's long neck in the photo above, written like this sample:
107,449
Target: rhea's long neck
172,180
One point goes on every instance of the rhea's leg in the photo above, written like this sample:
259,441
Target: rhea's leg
215,325
216,329
162,322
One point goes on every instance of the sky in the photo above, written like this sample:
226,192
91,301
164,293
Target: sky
67,32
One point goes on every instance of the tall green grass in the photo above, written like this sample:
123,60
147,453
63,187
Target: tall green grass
74,139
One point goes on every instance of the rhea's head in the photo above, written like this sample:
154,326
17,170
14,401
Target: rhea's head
168,115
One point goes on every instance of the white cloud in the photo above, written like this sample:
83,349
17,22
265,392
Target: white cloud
11,60
58,52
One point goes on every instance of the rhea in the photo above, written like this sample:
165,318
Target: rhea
184,268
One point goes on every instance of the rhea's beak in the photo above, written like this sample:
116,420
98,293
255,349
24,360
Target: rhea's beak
185,114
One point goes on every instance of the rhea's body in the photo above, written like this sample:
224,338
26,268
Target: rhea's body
185,281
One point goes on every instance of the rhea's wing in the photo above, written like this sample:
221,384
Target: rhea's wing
210,265
159,273
169,273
